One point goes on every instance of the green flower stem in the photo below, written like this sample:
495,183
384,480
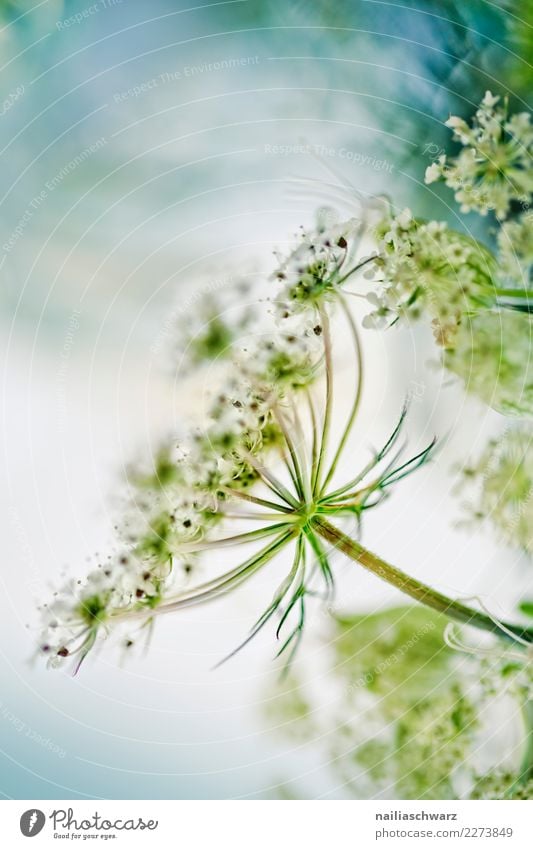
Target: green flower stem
359,265
296,472
412,587
238,539
515,293
349,499
270,480
303,454
314,425
274,606
332,509
328,356
253,499
343,491
321,556
358,393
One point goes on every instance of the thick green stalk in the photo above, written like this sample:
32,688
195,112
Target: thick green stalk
412,587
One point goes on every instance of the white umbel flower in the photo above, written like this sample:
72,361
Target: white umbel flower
494,169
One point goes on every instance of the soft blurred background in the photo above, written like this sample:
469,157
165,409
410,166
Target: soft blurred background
150,151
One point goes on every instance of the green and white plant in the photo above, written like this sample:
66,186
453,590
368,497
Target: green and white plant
260,471
264,455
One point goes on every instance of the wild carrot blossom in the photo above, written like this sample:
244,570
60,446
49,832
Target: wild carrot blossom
426,266
263,454
494,168
263,458
492,354
477,299
197,487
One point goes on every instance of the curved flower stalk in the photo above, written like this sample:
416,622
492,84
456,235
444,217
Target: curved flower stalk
261,474
515,657
516,662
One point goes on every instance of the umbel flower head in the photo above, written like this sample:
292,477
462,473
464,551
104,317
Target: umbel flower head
424,266
263,458
494,168
322,261
255,474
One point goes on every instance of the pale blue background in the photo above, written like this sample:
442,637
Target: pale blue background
183,191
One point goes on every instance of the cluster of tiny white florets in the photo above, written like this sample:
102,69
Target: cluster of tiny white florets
477,299
500,483
313,273
494,169
426,266
172,507
79,610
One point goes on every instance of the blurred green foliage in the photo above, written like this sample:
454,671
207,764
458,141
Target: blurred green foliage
404,715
